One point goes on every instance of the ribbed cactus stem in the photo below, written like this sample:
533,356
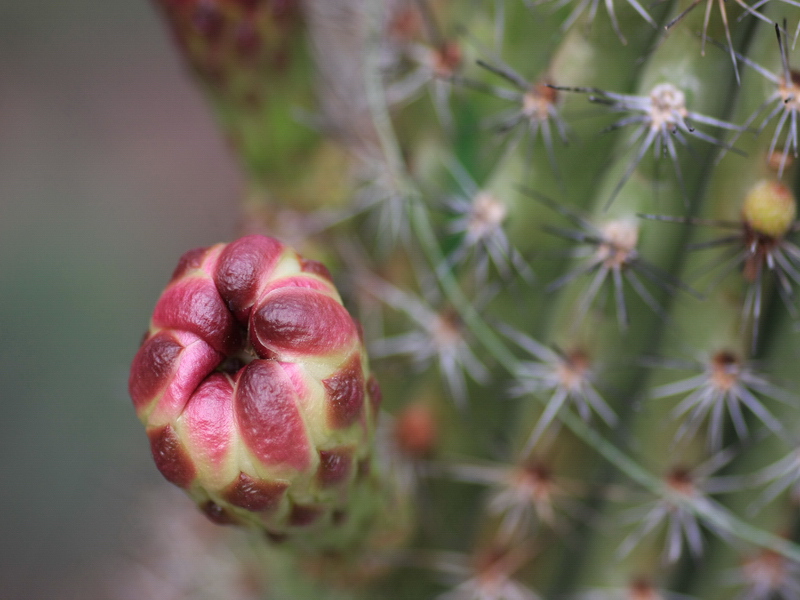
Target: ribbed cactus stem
766,212
587,55
569,227
671,87
711,331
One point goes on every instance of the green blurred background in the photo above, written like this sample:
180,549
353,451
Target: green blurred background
110,168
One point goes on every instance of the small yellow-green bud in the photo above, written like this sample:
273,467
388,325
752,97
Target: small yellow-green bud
769,208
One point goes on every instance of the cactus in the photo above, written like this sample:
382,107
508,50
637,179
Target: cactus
566,234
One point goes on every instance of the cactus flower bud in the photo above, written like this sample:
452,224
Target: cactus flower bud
769,209
220,37
250,57
252,383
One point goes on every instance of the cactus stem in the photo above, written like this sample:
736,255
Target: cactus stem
436,67
467,313
391,162
591,437
712,513
388,207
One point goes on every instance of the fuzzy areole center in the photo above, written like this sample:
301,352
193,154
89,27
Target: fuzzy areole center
642,589
573,371
790,91
767,570
538,100
667,106
680,480
446,329
618,246
726,368
537,480
447,59
486,215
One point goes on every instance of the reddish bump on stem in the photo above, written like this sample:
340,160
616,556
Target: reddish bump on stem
405,24
769,575
170,457
344,392
726,369
447,59
416,430
641,589
269,418
681,480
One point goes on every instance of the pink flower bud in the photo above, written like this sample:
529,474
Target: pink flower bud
253,387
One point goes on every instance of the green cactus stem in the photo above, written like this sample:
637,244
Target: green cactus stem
569,232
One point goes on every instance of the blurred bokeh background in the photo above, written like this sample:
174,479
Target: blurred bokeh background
110,167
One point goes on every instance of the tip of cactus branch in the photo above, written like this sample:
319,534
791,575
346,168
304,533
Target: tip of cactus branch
769,208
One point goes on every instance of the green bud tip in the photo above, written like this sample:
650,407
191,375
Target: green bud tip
769,208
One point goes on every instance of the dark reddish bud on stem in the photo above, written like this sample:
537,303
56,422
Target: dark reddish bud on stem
251,426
